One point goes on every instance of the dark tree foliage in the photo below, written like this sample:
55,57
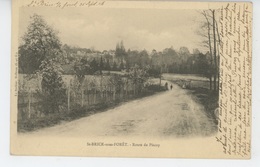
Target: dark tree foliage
40,42
121,66
120,51
53,92
115,66
107,65
101,65
154,72
40,53
81,69
93,66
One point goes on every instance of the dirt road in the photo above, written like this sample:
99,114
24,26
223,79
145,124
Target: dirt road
169,114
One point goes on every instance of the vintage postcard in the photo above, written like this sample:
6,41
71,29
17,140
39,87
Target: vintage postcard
131,79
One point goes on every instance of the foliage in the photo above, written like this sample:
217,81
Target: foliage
101,65
155,88
40,42
120,51
166,61
116,81
154,72
138,75
107,65
53,93
115,67
93,66
40,53
81,69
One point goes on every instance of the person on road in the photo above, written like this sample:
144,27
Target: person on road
166,86
171,87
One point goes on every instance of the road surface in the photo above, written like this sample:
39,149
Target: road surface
168,114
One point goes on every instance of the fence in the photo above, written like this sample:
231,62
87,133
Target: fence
93,90
193,84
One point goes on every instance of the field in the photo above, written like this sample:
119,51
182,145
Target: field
188,80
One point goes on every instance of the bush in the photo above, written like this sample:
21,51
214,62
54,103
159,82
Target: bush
53,94
156,88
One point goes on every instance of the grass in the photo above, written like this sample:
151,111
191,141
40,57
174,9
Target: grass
204,96
54,119
208,98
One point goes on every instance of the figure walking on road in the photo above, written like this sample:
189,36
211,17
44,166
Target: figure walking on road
171,87
166,86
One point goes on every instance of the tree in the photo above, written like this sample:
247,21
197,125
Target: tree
211,33
153,72
121,66
53,92
81,68
107,65
93,66
202,64
101,65
138,77
120,52
40,43
40,52
184,53
116,82
196,51
144,58
115,66
215,50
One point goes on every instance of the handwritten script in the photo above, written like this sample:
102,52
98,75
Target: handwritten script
234,126
64,4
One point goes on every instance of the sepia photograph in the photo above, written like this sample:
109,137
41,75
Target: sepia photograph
110,72
112,75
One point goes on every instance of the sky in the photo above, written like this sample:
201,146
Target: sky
103,28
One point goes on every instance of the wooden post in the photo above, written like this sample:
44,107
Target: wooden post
126,89
160,83
87,94
101,86
109,95
106,93
82,97
134,89
114,93
122,90
29,104
95,93
69,96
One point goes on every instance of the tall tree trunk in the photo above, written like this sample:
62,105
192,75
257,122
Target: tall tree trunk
215,54
219,43
210,50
